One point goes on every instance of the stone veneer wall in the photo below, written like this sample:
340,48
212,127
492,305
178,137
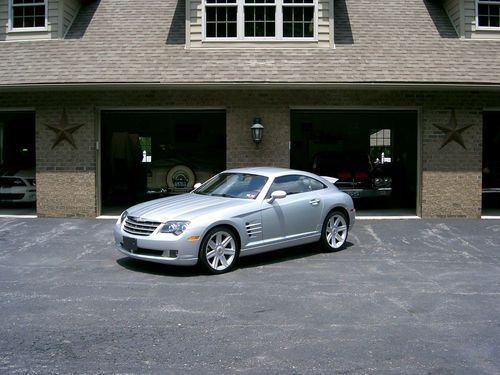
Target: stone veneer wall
450,178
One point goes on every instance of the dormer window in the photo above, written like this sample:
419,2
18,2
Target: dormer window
28,15
254,20
488,14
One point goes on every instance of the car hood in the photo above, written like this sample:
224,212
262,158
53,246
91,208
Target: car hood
185,207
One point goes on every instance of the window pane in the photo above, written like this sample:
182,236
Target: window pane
220,22
231,29
221,14
260,21
40,11
298,21
211,14
287,30
270,29
211,30
221,31
18,22
40,21
483,21
298,14
249,29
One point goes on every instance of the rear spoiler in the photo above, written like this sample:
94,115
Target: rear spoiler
330,179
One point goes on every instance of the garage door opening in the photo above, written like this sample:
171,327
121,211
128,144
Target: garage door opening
491,164
372,153
152,154
17,163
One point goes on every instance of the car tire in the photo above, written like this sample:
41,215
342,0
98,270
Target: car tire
180,170
219,250
335,231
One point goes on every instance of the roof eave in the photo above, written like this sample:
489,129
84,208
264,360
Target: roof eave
406,86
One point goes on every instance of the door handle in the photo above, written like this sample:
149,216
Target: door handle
314,202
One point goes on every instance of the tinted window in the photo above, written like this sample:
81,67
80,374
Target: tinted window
295,184
234,185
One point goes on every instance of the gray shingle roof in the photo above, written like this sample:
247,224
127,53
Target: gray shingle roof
132,41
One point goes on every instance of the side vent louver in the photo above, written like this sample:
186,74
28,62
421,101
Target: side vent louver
253,229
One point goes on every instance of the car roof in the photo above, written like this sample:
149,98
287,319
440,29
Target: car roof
270,171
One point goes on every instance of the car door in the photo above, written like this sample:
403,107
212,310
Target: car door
297,215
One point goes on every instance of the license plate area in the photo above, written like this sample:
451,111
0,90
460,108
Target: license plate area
130,244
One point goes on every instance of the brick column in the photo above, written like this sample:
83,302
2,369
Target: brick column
451,175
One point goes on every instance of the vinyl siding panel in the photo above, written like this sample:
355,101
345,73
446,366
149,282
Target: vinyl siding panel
452,7
4,18
195,18
70,10
54,22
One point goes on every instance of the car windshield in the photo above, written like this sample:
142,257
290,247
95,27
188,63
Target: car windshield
234,185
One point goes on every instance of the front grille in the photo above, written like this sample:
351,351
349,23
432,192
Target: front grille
139,227
153,253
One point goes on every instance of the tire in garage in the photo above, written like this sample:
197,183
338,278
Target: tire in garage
180,177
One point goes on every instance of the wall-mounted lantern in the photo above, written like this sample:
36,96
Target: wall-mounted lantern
257,130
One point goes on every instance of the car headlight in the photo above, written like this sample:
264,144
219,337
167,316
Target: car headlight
174,227
378,182
123,216
382,182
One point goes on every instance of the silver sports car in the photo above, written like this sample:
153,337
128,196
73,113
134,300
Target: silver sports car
236,213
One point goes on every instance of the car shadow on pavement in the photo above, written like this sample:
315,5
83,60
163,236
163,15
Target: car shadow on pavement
284,255
258,260
158,269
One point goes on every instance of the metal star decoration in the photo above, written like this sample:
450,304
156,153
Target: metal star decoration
63,131
453,132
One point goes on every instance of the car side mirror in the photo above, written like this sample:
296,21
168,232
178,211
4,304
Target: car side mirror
278,194
197,185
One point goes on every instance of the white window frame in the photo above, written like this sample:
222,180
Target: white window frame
240,23
490,2
11,27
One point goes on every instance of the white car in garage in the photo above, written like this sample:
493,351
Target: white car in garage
18,187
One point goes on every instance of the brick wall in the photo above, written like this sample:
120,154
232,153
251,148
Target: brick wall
450,178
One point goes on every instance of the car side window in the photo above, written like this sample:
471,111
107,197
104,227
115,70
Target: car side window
295,184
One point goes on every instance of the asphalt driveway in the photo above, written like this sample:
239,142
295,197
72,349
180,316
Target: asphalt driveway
406,297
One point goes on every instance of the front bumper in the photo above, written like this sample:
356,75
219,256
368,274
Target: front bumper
164,248
368,193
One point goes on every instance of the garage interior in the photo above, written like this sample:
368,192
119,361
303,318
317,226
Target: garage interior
491,164
17,163
151,154
372,152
